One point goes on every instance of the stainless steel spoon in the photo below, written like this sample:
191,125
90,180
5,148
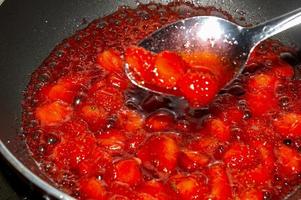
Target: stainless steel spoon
216,35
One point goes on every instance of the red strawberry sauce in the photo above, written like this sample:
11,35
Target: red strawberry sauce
99,137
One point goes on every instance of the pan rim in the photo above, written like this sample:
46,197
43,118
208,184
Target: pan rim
31,177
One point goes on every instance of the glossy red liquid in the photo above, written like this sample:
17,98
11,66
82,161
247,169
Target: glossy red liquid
99,137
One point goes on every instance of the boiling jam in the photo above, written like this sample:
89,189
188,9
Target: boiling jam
97,136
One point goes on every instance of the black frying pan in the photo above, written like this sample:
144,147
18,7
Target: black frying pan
30,29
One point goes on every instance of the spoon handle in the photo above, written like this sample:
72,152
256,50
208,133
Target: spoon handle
274,26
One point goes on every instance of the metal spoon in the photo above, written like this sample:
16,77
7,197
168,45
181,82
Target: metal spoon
216,35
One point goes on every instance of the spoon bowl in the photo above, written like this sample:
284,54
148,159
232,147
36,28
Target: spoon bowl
214,35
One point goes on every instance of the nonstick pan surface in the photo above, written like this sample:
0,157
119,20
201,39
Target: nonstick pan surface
30,29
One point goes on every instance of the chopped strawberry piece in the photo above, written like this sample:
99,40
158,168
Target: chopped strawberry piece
251,194
66,88
288,125
261,102
152,188
169,67
97,161
160,121
113,141
131,120
218,129
186,187
128,171
94,115
159,151
205,144
93,189
70,153
289,161
262,173
141,61
240,156
262,82
231,114
53,113
109,98
219,183
111,61
206,61
192,160
118,81
198,87
283,70
121,191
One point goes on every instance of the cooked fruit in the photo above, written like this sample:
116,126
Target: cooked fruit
288,124
111,61
198,87
128,171
99,137
289,161
160,121
141,61
113,141
219,183
187,187
169,67
218,129
53,113
240,156
251,194
193,160
161,152
92,188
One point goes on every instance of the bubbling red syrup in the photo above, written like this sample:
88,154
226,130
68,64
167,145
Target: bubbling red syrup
99,137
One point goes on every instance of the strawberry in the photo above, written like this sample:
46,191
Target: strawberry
262,174
128,171
186,187
218,129
205,60
192,160
288,125
240,156
118,81
219,183
205,144
160,121
198,87
261,102
94,115
130,120
159,151
289,161
70,153
109,98
169,67
93,189
97,161
152,188
111,61
121,191
251,194
113,141
141,61
74,128
261,97
66,88
260,82
283,70
53,113
231,114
